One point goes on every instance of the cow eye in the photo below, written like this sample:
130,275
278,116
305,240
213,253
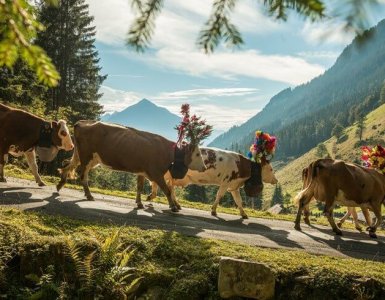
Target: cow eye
63,133
198,154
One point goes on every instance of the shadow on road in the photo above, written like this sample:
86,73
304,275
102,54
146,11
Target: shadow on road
192,225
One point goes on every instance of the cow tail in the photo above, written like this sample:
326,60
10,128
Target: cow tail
307,193
69,167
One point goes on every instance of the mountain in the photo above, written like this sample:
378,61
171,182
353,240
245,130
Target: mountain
306,115
147,116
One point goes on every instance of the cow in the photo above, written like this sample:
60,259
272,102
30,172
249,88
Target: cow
22,133
228,170
129,150
351,211
337,182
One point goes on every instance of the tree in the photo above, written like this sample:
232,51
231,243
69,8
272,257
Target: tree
322,151
18,29
277,196
338,130
360,127
195,193
219,26
69,39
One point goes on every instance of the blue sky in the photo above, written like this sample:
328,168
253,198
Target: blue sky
227,87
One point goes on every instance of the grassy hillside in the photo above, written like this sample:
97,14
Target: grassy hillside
347,149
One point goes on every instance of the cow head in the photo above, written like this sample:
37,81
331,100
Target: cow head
193,158
268,172
61,137
253,185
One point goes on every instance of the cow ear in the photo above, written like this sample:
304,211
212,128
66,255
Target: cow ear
54,124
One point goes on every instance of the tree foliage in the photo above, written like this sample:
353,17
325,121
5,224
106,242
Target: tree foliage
219,26
18,29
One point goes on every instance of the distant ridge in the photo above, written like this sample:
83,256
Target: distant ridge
147,116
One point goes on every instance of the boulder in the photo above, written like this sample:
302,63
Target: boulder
245,279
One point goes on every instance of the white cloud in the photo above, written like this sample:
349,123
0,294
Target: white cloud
116,100
228,65
215,92
222,117
319,54
327,32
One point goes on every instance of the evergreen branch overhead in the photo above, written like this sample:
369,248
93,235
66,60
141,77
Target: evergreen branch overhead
142,29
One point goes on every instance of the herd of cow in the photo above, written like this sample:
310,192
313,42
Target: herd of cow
154,157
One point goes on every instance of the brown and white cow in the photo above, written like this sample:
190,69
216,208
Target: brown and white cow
336,182
228,170
351,211
126,149
21,133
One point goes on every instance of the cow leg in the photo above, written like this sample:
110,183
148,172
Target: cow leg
367,216
373,228
84,170
221,191
154,191
353,211
3,158
238,200
68,170
329,207
345,217
306,214
139,190
31,160
173,196
164,187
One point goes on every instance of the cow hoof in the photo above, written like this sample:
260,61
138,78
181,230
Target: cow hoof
245,217
307,221
338,232
179,207
339,225
359,229
297,227
372,234
2,179
90,198
42,184
174,209
214,213
148,198
140,206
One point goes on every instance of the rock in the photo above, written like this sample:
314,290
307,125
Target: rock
275,210
245,279
153,293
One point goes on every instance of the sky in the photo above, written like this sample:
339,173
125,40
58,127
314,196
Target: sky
226,87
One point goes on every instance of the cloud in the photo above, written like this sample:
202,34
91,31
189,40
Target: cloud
214,92
229,65
328,33
116,100
319,54
204,104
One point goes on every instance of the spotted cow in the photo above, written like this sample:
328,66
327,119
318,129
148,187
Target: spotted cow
228,170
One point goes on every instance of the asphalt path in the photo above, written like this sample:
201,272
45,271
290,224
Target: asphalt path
26,195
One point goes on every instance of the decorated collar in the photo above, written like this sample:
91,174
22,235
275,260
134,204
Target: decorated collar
263,147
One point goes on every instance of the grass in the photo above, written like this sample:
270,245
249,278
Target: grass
187,267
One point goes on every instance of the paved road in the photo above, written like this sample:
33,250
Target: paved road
26,195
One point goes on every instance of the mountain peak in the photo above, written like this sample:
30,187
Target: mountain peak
145,101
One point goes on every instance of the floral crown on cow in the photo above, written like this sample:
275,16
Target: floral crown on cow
374,157
192,128
263,147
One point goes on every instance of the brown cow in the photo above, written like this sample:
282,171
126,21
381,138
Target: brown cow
127,149
351,210
336,182
226,169
21,132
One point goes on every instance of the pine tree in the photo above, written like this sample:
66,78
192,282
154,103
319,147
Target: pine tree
360,127
69,40
277,196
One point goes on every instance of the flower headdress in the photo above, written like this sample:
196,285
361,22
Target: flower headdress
374,157
192,128
263,146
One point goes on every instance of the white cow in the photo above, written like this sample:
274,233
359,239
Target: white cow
228,170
